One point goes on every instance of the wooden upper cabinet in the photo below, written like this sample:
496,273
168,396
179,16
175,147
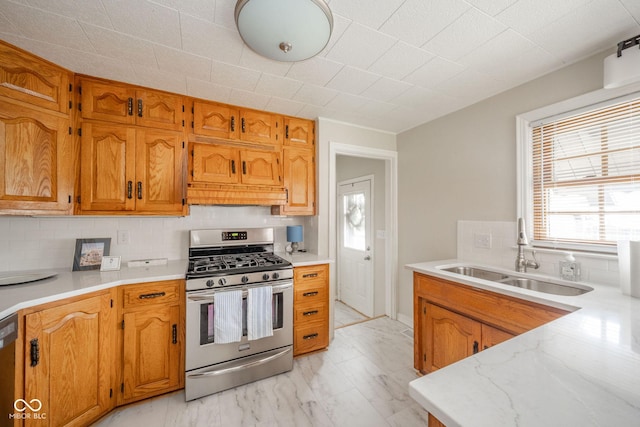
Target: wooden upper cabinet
119,103
299,182
25,77
36,161
299,132
260,167
216,120
261,127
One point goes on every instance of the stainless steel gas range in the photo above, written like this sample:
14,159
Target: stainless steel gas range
239,325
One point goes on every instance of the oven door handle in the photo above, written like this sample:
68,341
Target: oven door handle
209,295
240,367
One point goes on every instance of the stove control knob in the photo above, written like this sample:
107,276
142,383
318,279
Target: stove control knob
210,283
244,279
265,276
222,281
275,276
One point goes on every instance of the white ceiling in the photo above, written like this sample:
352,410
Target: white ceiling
390,64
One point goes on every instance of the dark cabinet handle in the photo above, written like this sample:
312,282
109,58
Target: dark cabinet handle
174,334
310,294
233,124
139,190
310,275
310,336
233,166
35,352
310,313
242,124
129,189
286,132
244,167
139,107
130,106
475,347
153,295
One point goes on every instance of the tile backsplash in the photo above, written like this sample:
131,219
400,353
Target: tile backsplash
49,242
494,243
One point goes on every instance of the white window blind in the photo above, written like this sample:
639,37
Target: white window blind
586,176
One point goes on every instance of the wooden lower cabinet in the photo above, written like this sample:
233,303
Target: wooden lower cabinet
68,361
311,308
153,339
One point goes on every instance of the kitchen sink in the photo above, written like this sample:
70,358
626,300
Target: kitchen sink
538,285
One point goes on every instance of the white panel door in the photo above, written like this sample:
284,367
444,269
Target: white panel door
355,266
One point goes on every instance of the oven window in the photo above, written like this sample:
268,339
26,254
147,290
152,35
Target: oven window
207,318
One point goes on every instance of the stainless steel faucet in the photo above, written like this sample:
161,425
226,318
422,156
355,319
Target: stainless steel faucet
521,261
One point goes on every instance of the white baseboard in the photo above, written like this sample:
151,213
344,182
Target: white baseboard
403,318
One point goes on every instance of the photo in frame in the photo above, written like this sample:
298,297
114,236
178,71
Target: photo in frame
89,253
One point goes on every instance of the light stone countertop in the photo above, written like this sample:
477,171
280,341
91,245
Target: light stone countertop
68,284
582,369
301,259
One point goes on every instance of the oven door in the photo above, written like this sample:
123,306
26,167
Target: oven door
201,348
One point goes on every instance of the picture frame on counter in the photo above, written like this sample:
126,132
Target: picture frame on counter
89,253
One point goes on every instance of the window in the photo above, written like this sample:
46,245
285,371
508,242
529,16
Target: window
585,176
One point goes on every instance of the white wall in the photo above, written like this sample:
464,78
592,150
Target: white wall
463,167
348,167
49,242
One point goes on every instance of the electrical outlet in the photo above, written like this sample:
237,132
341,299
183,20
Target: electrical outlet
482,240
570,270
123,237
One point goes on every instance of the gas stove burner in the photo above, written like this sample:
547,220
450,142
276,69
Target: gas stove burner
235,263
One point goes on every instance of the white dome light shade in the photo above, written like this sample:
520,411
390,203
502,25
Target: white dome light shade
284,30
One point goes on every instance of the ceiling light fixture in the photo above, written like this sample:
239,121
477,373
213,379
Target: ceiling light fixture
284,30
619,69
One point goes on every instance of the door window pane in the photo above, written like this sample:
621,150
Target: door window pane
354,221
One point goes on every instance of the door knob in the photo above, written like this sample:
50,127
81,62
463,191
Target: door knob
367,258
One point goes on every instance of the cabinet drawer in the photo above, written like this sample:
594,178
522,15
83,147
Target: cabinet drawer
311,274
310,338
152,293
310,294
305,313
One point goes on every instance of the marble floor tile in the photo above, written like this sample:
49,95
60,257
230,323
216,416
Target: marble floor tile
361,380
343,315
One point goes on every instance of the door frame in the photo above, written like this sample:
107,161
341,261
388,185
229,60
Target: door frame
372,237
391,213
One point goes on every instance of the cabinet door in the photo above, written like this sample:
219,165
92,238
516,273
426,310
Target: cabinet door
28,78
450,337
260,167
159,110
107,167
71,373
299,132
159,171
216,120
299,181
107,101
261,127
492,336
36,160
215,164
152,346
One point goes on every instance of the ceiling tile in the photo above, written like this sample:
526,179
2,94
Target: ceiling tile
362,12
183,63
284,106
101,66
340,24
159,79
277,86
417,21
360,46
633,6
464,35
500,51
386,89
316,95
434,72
7,26
91,12
44,26
470,85
160,24
66,58
352,80
346,102
415,98
250,59
113,44
399,61
210,40
234,76
527,16
491,7
225,13
376,109
317,70
208,90
202,9
248,99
